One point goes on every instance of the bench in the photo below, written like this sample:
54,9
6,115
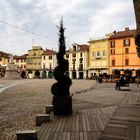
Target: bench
27,135
123,85
119,85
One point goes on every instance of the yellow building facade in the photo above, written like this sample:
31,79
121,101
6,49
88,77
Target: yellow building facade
48,63
98,57
4,58
20,61
34,60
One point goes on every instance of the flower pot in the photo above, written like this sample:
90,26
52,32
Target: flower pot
62,105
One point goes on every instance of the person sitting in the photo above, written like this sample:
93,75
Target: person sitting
120,82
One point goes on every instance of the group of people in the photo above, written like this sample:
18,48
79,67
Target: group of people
122,81
99,80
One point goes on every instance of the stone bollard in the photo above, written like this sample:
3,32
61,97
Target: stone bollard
41,118
27,135
48,109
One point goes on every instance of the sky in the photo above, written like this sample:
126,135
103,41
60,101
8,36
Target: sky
27,23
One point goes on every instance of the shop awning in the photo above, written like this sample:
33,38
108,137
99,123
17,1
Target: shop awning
128,69
137,69
116,69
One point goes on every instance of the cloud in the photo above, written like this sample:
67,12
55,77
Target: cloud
83,19
114,16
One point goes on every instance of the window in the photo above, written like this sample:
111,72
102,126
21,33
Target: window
81,67
92,54
50,66
104,53
73,60
126,42
44,57
80,54
74,54
73,66
67,55
112,44
43,66
0,59
126,62
98,54
112,51
50,57
74,48
29,60
126,50
81,60
113,62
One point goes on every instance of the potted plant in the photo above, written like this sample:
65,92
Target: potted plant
62,101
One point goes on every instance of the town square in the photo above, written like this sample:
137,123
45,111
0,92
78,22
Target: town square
70,70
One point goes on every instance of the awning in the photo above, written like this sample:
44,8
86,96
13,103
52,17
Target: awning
116,69
137,69
128,69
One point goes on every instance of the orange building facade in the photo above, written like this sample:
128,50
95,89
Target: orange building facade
123,55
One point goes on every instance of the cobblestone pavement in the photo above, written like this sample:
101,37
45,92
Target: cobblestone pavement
20,100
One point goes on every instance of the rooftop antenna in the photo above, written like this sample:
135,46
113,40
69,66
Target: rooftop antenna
32,42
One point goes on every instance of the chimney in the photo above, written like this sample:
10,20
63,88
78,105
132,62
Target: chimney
126,28
114,32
